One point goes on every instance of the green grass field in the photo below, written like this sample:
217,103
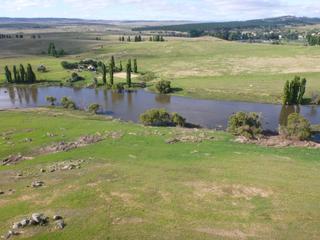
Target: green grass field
204,68
136,186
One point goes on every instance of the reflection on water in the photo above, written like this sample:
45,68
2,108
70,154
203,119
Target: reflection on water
129,105
285,112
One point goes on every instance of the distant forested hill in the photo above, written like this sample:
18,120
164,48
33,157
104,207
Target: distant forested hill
250,24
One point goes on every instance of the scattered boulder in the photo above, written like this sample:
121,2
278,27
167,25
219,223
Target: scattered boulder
60,224
24,222
67,146
57,217
37,184
1,192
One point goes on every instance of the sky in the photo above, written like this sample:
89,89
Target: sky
196,10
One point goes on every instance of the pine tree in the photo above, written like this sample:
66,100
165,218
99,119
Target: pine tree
286,93
135,66
113,62
130,64
15,74
302,90
120,67
111,72
104,73
31,77
22,73
129,73
8,74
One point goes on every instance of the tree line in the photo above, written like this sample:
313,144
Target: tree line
138,38
20,75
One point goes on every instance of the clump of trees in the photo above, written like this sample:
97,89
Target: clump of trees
163,87
156,38
245,124
313,39
20,75
294,91
69,65
52,51
298,128
94,108
160,117
68,103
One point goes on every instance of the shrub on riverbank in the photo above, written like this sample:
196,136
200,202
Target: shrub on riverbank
163,87
94,108
298,128
68,103
160,117
245,124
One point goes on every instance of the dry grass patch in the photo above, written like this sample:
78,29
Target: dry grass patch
202,189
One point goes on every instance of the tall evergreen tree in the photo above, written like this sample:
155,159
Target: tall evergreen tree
8,74
111,72
104,73
135,66
22,73
15,74
286,93
129,73
120,67
113,62
31,77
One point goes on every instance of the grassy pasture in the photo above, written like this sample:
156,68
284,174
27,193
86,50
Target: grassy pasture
139,187
204,68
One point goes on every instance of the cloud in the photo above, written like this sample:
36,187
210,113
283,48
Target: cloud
213,10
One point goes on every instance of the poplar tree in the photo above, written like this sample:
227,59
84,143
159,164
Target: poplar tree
111,69
31,77
129,73
22,73
8,74
120,67
113,62
135,66
104,73
15,74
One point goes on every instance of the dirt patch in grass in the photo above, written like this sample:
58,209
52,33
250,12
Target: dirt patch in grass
278,141
128,220
123,75
234,234
202,189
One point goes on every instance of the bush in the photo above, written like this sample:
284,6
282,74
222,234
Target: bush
245,124
163,86
42,69
178,120
51,100
94,108
68,103
69,65
147,77
298,128
118,87
160,117
75,77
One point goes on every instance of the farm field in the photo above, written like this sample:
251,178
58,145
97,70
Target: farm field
132,184
202,67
